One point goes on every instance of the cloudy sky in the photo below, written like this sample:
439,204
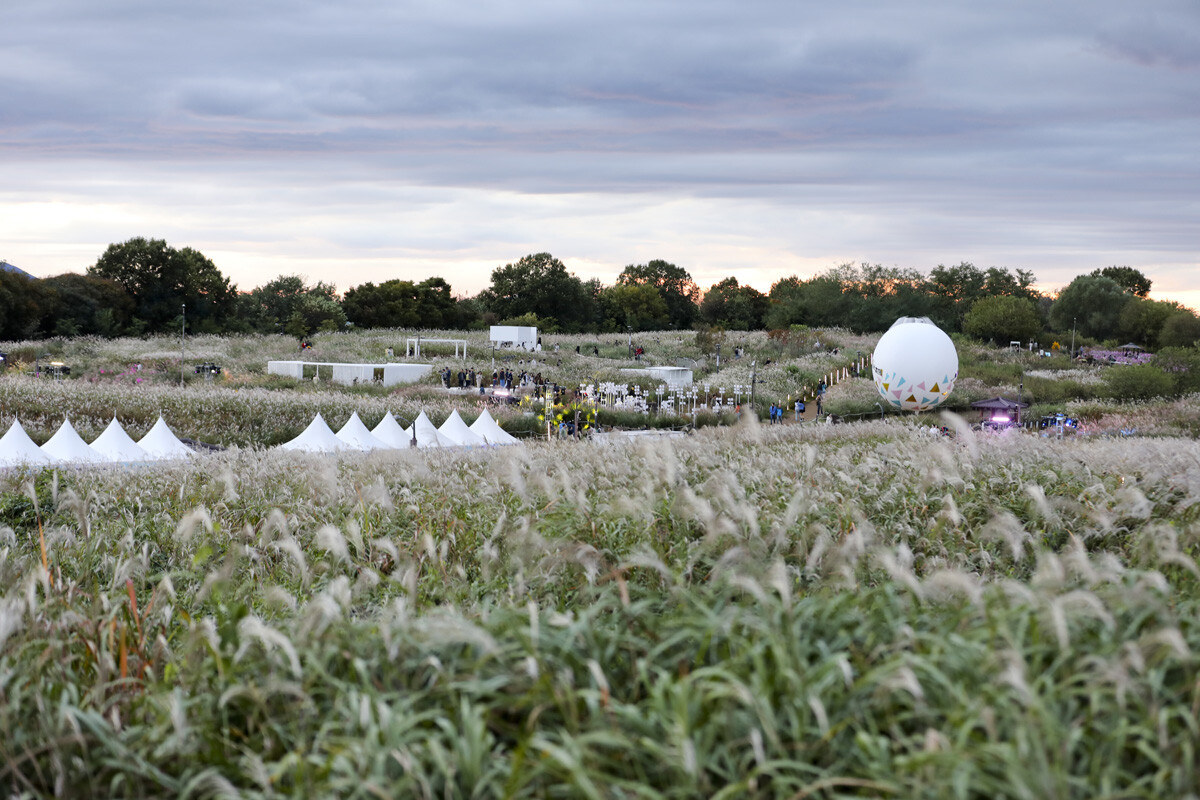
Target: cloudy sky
370,139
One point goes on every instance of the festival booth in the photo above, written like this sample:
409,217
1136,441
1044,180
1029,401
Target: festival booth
390,433
426,433
1000,412
355,434
487,427
457,432
160,444
17,449
316,438
115,445
67,447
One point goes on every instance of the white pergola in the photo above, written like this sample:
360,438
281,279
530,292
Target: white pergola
413,346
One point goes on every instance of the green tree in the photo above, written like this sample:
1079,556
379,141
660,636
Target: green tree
1139,382
429,304
818,302
1003,318
272,306
23,305
540,284
1180,329
1142,320
1093,304
679,292
1128,278
734,307
161,279
637,306
1183,365
85,304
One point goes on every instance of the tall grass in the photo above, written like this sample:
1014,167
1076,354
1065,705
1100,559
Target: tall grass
828,611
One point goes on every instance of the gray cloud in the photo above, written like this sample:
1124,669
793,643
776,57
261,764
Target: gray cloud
1045,136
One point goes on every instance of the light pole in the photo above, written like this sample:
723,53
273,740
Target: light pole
753,381
1072,337
182,337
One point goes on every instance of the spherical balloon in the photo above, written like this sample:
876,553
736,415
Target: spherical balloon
915,365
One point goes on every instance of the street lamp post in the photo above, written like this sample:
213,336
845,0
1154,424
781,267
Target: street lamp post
753,381
1072,337
182,337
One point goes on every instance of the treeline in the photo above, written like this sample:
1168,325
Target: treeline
145,286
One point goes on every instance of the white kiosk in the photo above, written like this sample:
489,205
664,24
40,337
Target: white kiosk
515,337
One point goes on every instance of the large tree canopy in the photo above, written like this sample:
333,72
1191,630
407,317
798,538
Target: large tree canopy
539,284
1091,304
161,280
679,292
734,307
1003,319
85,304
1128,278
402,304
639,307
23,304
288,304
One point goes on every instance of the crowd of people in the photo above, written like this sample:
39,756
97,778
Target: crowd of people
470,379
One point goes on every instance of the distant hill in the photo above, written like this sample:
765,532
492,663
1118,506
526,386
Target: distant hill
7,267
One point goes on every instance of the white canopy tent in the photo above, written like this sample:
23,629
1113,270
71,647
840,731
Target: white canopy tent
355,434
316,438
67,447
487,427
390,433
115,445
17,449
160,444
457,432
427,433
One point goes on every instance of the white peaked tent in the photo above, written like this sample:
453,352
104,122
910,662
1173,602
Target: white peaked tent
487,427
457,432
316,438
161,444
390,433
115,444
66,447
16,448
427,433
355,434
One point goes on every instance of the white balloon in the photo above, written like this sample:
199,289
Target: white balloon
915,365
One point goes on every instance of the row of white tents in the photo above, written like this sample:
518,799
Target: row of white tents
114,445
66,446
318,437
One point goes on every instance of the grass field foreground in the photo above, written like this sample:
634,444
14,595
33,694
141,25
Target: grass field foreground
821,611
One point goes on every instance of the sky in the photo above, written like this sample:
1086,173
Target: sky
365,140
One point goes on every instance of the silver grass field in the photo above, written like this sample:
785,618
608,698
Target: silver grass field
751,611
821,611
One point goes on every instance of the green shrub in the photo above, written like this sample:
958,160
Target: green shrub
1183,364
1139,382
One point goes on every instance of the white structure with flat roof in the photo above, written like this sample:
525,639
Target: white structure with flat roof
350,374
515,337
